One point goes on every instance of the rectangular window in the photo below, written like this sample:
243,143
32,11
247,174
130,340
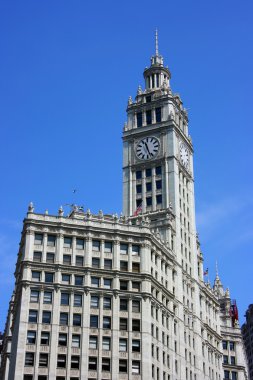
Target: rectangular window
106,323
232,346
122,366
38,239
107,283
232,360
79,261
94,302
224,345
106,345
78,300
49,277
136,345
61,361
50,258
123,324
158,185
135,250
96,245
136,325
37,256
136,286
78,280
139,203
64,318
234,375
149,186
95,281
123,285
35,276
65,299
67,242
93,342
138,189
92,363
149,201
34,296
158,114
135,267
108,246
148,99
33,316
76,341
107,264
136,306
95,262
123,345
136,367
44,338
76,319
48,297
67,259
123,304
51,239
138,174
93,321
123,265
226,375
139,119
79,243
225,359
65,278
46,317
31,337
158,170
148,117
106,365
148,172
29,359
107,303
62,341
75,362
159,199
123,249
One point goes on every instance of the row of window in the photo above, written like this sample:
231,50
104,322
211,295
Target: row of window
149,201
230,375
148,172
148,114
96,244
226,344
158,186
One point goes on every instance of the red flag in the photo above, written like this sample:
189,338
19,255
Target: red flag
206,272
138,210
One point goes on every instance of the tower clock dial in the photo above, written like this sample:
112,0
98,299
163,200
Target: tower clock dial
147,148
184,155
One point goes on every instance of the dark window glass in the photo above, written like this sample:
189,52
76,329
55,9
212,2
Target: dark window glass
232,360
37,256
108,246
136,325
136,267
136,286
79,261
65,278
136,306
148,172
31,337
34,296
35,276
136,346
123,304
76,341
158,185
107,283
49,277
139,119
92,363
135,250
43,360
50,258
46,317
67,242
48,297
106,345
123,324
64,317
61,361
33,316
138,189
38,239
106,365
96,245
158,114
148,99
148,117
76,319
44,338
67,259
159,199
95,262
138,174
149,201
107,303
29,359
149,186
95,282
79,243
78,280
51,239
123,249
75,362
158,170
123,265
94,302
232,346
107,264
65,299
94,321
106,322
138,202
123,366
123,285
62,341
224,345
78,300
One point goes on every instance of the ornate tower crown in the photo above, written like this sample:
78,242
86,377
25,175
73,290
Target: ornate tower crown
156,75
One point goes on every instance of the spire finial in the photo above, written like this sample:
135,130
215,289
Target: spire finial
216,267
156,43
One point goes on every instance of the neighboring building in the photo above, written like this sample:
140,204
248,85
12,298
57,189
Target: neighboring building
247,332
109,297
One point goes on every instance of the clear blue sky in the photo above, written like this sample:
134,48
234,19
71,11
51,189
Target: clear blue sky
66,71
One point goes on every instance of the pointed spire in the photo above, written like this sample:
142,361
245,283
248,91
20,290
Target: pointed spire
216,269
156,43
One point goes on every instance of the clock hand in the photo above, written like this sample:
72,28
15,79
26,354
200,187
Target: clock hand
146,145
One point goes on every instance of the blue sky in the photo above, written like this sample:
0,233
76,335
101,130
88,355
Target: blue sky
66,71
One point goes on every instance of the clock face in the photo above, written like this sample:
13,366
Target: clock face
184,155
147,148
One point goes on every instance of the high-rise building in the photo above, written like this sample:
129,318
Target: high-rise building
122,297
247,333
